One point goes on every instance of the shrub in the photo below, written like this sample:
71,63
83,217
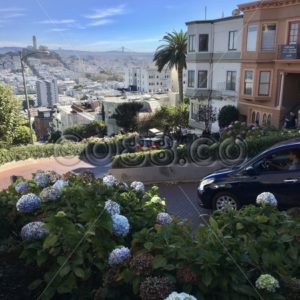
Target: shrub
227,115
40,151
71,245
80,233
95,128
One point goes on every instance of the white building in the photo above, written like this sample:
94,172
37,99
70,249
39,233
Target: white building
213,64
47,93
148,80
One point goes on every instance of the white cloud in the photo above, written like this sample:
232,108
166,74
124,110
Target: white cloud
11,9
100,22
64,21
107,12
13,15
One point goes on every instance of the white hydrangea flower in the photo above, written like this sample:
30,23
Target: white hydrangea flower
180,296
109,180
267,282
138,186
266,198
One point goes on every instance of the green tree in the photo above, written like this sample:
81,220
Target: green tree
9,113
169,117
173,54
227,115
126,115
208,115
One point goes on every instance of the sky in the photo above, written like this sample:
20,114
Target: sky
101,25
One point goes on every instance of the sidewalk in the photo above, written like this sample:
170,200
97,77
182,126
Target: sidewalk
61,165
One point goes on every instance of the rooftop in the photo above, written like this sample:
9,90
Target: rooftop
266,4
214,21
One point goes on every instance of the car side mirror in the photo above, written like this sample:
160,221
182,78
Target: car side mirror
249,171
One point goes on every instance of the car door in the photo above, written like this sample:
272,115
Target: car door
274,176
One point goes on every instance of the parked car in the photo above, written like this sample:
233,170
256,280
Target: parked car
154,143
276,170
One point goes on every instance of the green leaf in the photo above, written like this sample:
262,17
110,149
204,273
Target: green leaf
148,245
214,225
206,278
79,272
67,285
50,241
35,284
239,226
159,262
65,270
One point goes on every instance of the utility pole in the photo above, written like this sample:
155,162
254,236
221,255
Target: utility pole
26,97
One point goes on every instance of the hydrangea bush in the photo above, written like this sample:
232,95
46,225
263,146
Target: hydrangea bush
145,253
22,187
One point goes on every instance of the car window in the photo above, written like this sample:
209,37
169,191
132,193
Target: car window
283,160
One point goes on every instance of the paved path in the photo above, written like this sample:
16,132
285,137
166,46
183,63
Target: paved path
59,164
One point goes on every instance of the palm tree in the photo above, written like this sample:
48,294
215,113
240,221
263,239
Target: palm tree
173,54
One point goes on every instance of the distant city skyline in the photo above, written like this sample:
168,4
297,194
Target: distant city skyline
108,25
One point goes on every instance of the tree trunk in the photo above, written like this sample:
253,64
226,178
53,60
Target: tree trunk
180,84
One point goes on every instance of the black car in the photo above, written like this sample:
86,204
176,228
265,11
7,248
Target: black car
276,170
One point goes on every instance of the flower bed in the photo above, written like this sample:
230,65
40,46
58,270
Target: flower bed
88,238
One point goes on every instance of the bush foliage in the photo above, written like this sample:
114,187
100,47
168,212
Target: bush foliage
81,257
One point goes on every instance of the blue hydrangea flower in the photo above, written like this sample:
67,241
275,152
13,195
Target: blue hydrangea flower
267,282
180,296
28,203
164,218
60,184
109,180
113,208
41,179
22,187
120,225
34,231
266,198
138,186
118,256
50,194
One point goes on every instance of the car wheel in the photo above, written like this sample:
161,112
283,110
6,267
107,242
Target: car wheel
225,200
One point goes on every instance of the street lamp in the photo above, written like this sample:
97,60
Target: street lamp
22,57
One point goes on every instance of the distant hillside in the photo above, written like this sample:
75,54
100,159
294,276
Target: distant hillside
4,50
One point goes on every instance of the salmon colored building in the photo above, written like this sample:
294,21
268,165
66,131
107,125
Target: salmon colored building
270,61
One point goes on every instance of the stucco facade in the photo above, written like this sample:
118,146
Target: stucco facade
270,65
213,64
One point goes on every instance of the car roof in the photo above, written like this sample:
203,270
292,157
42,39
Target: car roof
291,142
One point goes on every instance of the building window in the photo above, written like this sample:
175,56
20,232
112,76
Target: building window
253,118
268,37
191,43
252,38
269,120
232,41
248,83
264,120
203,42
293,33
264,83
257,118
202,79
231,80
191,78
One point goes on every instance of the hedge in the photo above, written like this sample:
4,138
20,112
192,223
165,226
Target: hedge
184,155
40,151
